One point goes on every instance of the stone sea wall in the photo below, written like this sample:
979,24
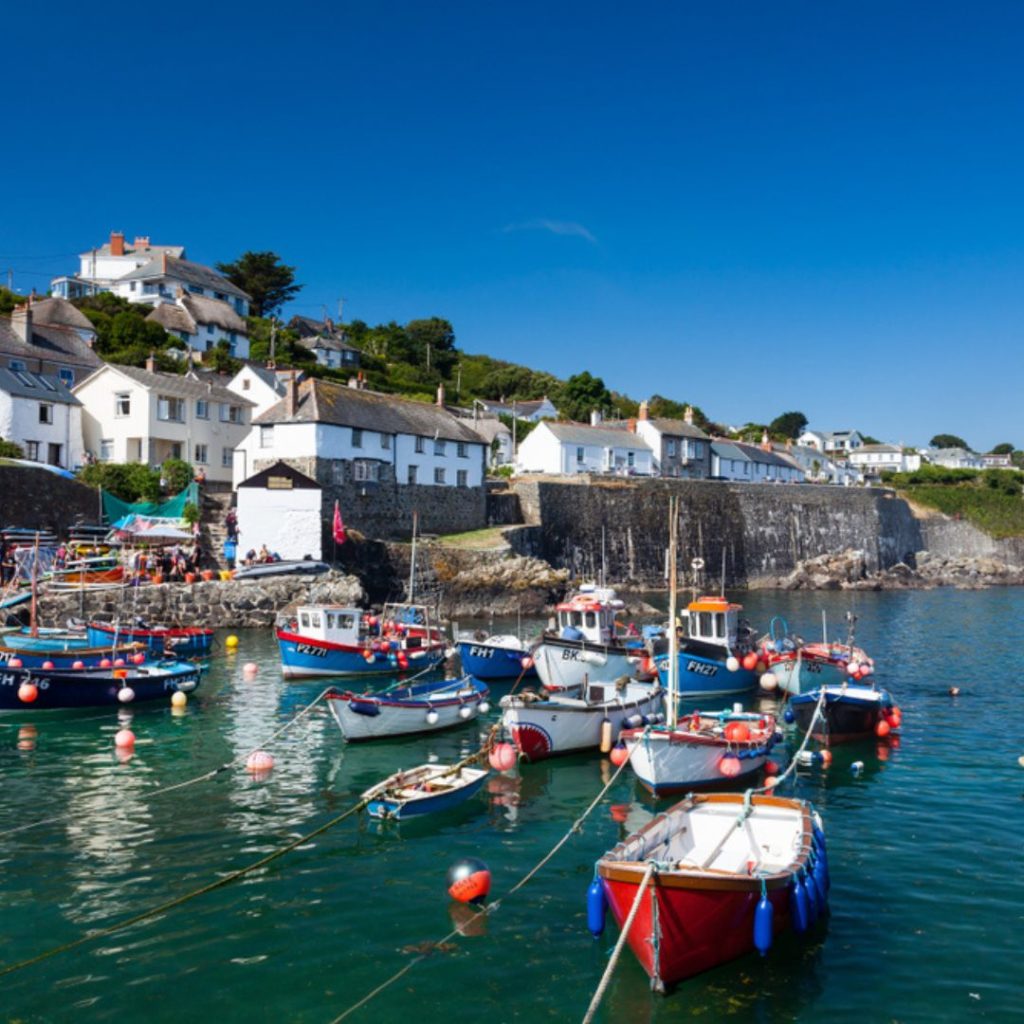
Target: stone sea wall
34,498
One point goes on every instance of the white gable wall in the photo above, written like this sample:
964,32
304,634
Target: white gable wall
287,521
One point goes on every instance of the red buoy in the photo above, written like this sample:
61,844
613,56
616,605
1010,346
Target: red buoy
502,757
771,768
883,728
27,692
737,732
469,880
619,754
47,666
729,766
895,717
749,661
78,664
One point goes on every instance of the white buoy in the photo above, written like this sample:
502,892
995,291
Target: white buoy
769,681
126,695
179,699
465,711
431,717
484,707
732,664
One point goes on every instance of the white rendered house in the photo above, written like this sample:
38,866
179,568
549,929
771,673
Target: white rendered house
203,323
874,459
133,415
39,413
281,508
569,448
260,385
750,463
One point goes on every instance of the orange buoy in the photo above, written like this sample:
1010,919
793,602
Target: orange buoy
14,663
469,880
729,765
895,717
104,663
619,754
28,692
502,757
47,666
883,728
749,661
124,739
737,732
78,664
770,781
826,757
259,762
619,812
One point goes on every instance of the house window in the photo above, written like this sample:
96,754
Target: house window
45,412
195,289
227,457
209,328
357,438
106,449
412,474
439,475
670,446
170,409
267,436
32,450
219,295
131,286
17,365
202,409
420,446
364,470
201,454
176,450
67,376
579,455
463,450
462,478
438,447
385,441
698,449
631,459
245,385
230,414
123,404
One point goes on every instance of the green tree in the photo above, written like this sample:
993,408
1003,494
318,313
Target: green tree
129,481
581,394
948,441
176,475
669,409
8,300
219,358
788,424
267,281
1003,449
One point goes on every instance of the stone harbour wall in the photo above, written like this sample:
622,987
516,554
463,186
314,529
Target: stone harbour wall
33,498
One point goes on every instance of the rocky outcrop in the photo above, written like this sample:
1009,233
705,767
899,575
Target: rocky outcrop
848,570
230,604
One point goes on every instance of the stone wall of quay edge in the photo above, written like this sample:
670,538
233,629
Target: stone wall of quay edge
762,530
384,510
954,538
32,498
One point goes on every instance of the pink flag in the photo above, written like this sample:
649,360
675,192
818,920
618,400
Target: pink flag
340,536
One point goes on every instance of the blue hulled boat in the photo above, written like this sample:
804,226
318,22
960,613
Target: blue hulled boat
495,657
710,654
423,790
330,640
847,713
179,641
67,658
24,689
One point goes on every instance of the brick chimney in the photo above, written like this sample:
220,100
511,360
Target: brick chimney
645,410
440,395
21,322
688,415
631,425
163,262
291,395
151,362
141,242
116,243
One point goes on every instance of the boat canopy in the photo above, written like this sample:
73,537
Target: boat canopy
714,621
333,623
589,614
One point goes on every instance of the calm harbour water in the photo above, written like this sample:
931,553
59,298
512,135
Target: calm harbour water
925,850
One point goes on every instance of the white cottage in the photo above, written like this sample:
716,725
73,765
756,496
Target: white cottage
39,413
874,459
734,460
280,507
568,448
203,323
133,415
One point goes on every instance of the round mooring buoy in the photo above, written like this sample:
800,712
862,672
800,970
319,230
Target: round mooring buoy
469,880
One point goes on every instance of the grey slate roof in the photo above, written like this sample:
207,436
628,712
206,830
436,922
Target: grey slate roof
130,249
606,437
176,386
55,344
57,312
40,386
323,401
330,343
748,453
187,271
677,428
893,449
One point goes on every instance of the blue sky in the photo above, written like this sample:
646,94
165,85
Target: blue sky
754,207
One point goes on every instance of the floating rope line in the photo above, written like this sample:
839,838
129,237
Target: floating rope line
490,907
212,773
186,897
602,986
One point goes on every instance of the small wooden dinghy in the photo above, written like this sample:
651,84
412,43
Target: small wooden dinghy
423,790
716,876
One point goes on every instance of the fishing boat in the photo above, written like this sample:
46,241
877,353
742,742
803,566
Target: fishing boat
423,790
844,714
331,640
51,639
401,710
712,879
714,655
563,723
102,571
587,646
495,656
66,657
799,666
180,641
25,689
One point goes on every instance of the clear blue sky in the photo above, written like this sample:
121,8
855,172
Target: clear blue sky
756,207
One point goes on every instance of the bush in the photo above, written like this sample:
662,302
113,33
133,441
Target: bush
10,450
130,481
176,475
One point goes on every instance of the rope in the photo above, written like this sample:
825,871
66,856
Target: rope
602,985
241,759
179,900
491,907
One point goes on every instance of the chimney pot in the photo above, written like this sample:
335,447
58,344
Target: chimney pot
116,243
688,415
141,242
440,394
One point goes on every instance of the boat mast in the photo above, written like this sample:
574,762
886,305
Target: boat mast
412,557
673,636
33,621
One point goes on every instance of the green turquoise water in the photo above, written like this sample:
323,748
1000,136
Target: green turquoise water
925,849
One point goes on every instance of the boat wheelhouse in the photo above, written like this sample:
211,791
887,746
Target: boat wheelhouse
333,640
587,645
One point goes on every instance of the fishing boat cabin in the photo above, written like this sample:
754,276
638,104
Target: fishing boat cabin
716,622
590,615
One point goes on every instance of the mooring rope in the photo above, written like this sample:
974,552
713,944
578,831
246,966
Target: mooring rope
212,773
602,985
490,907
186,897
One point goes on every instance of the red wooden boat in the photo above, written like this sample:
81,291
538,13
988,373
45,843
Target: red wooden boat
728,872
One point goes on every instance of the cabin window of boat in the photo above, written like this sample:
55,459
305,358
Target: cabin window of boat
591,619
304,619
346,621
314,620
720,624
705,624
